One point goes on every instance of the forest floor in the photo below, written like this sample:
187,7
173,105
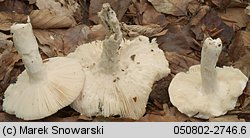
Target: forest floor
178,26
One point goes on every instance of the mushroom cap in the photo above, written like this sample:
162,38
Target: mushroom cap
126,91
186,93
29,99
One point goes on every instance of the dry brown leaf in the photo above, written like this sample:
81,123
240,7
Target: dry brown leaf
9,18
8,57
243,64
211,25
146,30
96,32
235,17
45,19
4,117
247,10
61,7
174,7
151,16
221,3
171,115
119,6
160,90
64,9
240,46
193,7
226,118
180,63
32,1
60,42
177,39
49,39
17,6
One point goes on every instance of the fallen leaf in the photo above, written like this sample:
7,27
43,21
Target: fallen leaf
221,3
9,18
32,1
193,7
243,64
60,42
146,30
85,118
151,16
235,17
45,19
8,57
160,90
177,39
226,118
119,6
171,115
4,117
64,9
180,63
240,46
16,6
212,25
247,10
174,7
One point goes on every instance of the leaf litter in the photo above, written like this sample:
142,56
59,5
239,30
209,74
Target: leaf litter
179,30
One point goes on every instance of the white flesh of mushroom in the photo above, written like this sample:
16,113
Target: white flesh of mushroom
43,88
119,73
206,90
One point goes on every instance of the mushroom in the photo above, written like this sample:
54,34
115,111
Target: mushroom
43,88
119,73
206,90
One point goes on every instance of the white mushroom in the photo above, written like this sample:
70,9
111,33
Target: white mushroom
206,90
43,88
119,73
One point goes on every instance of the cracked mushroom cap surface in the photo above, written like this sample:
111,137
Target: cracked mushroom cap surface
124,92
192,98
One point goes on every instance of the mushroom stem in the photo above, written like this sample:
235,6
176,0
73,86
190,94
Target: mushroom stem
26,45
209,57
110,55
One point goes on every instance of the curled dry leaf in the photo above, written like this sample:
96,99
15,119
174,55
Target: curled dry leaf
18,6
226,118
32,1
56,42
211,24
177,39
147,30
8,18
221,3
45,19
151,16
247,10
239,46
243,64
193,7
54,14
119,6
8,57
174,7
160,91
234,17
180,63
